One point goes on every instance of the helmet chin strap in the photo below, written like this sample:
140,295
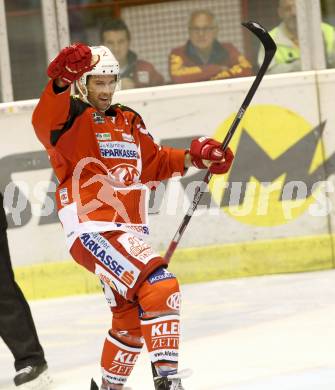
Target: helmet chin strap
83,92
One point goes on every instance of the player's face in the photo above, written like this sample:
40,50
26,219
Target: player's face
202,31
118,43
287,13
100,91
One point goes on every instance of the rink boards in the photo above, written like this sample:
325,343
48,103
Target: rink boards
277,202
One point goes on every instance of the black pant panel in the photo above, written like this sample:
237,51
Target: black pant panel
17,327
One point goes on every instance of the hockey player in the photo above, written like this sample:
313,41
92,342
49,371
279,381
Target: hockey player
104,159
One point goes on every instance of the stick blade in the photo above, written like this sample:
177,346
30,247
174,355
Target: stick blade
266,39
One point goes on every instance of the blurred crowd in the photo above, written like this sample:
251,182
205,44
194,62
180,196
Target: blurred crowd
209,44
204,57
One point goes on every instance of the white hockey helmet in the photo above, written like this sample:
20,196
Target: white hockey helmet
107,65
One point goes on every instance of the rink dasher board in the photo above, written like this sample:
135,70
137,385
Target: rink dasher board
176,113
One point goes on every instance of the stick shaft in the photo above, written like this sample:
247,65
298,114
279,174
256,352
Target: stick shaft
270,49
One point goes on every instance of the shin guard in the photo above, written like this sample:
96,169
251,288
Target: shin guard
159,298
161,335
118,360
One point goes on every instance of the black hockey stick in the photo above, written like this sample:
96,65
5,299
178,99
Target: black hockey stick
270,49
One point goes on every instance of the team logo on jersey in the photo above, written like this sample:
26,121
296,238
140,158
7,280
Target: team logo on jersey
116,149
103,136
98,118
124,174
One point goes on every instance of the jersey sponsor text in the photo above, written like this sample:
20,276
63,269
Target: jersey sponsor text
115,149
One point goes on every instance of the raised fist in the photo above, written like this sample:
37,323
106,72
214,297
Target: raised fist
208,149
71,63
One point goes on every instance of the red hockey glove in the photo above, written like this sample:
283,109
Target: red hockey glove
205,148
218,168
71,63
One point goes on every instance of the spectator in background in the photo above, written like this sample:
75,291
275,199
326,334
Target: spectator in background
287,57
17,327
203,57
135,73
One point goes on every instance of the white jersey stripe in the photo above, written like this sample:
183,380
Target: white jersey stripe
172,317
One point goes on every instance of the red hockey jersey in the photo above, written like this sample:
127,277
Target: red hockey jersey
104,163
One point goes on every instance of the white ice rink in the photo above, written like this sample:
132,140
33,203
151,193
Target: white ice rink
264,333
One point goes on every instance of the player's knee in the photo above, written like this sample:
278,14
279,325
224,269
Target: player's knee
126,320
160,293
